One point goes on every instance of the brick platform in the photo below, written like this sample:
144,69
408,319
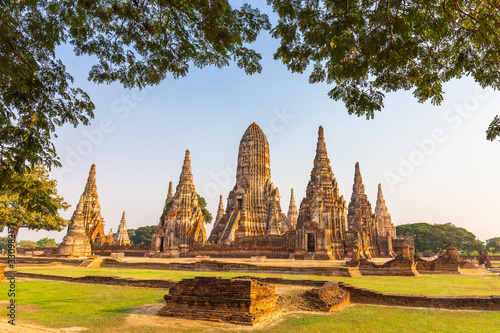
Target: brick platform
238,301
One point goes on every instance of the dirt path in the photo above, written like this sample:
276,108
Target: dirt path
27,328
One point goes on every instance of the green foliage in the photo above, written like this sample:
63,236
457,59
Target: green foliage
131,233
369,48
202,203
493,243
26,243
136,43
142,235
46,242
4,244
31,201
437,237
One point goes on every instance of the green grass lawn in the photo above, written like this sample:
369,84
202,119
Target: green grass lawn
60,304
472,282
368,319
104,308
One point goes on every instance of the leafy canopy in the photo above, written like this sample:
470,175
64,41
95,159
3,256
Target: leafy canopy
136,43
493,243
141,235
438,237
31,201
46,242
26,243
202,203
368,48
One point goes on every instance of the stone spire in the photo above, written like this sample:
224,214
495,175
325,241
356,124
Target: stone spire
186,177
361,219
76,243
321,159
93,221
385,225
170,194
323,209
220,211
293,213
122,234
358,189
182,225
254,196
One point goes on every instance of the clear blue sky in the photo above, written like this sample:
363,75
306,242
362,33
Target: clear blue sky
434,163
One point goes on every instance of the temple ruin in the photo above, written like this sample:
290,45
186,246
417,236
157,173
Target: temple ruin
293,213
324,227
92,219
361,237
76,243
322,217
385,225
122,234
253,206
182,223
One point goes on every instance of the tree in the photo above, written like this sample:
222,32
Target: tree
31,201
437,237
4,244
26,243
131,233
368,48
202,203
136,43
143,235
493,243
46,242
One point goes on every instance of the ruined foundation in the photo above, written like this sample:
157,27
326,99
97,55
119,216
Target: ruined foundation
330,297
237,301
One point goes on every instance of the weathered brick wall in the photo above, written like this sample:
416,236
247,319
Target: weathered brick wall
41,260
109,280
238,301
129,250
47,250
366,296
492,257
217,266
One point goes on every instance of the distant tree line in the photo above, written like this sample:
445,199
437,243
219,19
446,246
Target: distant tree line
141,235
44,242
437,237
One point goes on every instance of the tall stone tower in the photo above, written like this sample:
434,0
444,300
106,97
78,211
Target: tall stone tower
362,222
182,224
76,243
253,206
122,234
220,211
385,225
170,194
293,213
93,221
323,215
